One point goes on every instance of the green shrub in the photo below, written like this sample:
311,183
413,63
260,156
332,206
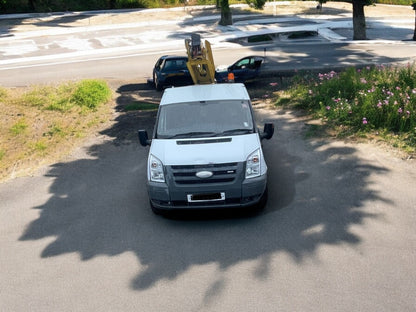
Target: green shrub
395,2
257,4
131,4
91,93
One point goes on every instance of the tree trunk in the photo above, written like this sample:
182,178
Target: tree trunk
32,6
358,20
226,16
414,33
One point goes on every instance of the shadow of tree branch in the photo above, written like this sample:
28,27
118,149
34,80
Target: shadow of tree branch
98,206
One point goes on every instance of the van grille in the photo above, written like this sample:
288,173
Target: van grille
222,173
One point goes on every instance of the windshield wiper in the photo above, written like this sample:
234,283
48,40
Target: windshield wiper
193,134
235,131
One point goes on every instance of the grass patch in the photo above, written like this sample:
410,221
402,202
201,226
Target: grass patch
19,127
3,94
363,102
315,131
140,106
55,130
41,123
40,146
87,94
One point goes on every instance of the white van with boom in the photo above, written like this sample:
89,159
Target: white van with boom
206,151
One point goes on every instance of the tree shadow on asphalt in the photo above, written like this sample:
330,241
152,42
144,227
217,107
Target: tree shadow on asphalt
241,14
98,206
297,58
63,20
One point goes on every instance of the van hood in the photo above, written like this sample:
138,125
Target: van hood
200,151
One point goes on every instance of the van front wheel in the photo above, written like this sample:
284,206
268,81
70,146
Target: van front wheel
263,200
155,210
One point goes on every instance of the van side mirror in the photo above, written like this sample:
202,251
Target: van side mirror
268,131
144,138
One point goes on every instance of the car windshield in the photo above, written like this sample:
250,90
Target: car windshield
204,119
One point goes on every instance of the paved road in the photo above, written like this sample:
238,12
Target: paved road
337,234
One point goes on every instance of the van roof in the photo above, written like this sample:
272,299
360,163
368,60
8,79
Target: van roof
209,92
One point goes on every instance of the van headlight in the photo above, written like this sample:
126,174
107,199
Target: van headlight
156,169
253,165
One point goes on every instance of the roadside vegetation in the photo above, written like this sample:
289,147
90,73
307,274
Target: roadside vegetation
39,124
373,102
24,6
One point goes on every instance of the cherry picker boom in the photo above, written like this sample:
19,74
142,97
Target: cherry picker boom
200,61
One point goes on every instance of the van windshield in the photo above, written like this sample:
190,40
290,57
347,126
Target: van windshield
204,119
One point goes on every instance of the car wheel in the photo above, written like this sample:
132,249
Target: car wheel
263,201
155,210
158,86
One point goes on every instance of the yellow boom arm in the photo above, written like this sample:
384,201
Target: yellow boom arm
200,61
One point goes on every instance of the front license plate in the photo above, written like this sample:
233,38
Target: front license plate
205,197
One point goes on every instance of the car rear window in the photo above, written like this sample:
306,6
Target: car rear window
175,64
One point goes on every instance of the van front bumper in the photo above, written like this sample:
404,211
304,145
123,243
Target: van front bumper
246,193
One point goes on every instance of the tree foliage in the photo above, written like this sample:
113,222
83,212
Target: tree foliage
24,6
257,4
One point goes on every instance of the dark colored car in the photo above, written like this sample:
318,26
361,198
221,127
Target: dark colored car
244,70
171,70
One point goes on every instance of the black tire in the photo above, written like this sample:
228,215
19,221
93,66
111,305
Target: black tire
263,200
155,210
158,86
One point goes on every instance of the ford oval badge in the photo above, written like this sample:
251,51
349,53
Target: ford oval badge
204,174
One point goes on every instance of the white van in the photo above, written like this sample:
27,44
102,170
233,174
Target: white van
206,150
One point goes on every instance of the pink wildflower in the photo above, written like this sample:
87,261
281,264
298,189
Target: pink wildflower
273,84
365,121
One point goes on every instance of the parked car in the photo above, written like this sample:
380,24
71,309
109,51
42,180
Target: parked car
244,69
171,70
